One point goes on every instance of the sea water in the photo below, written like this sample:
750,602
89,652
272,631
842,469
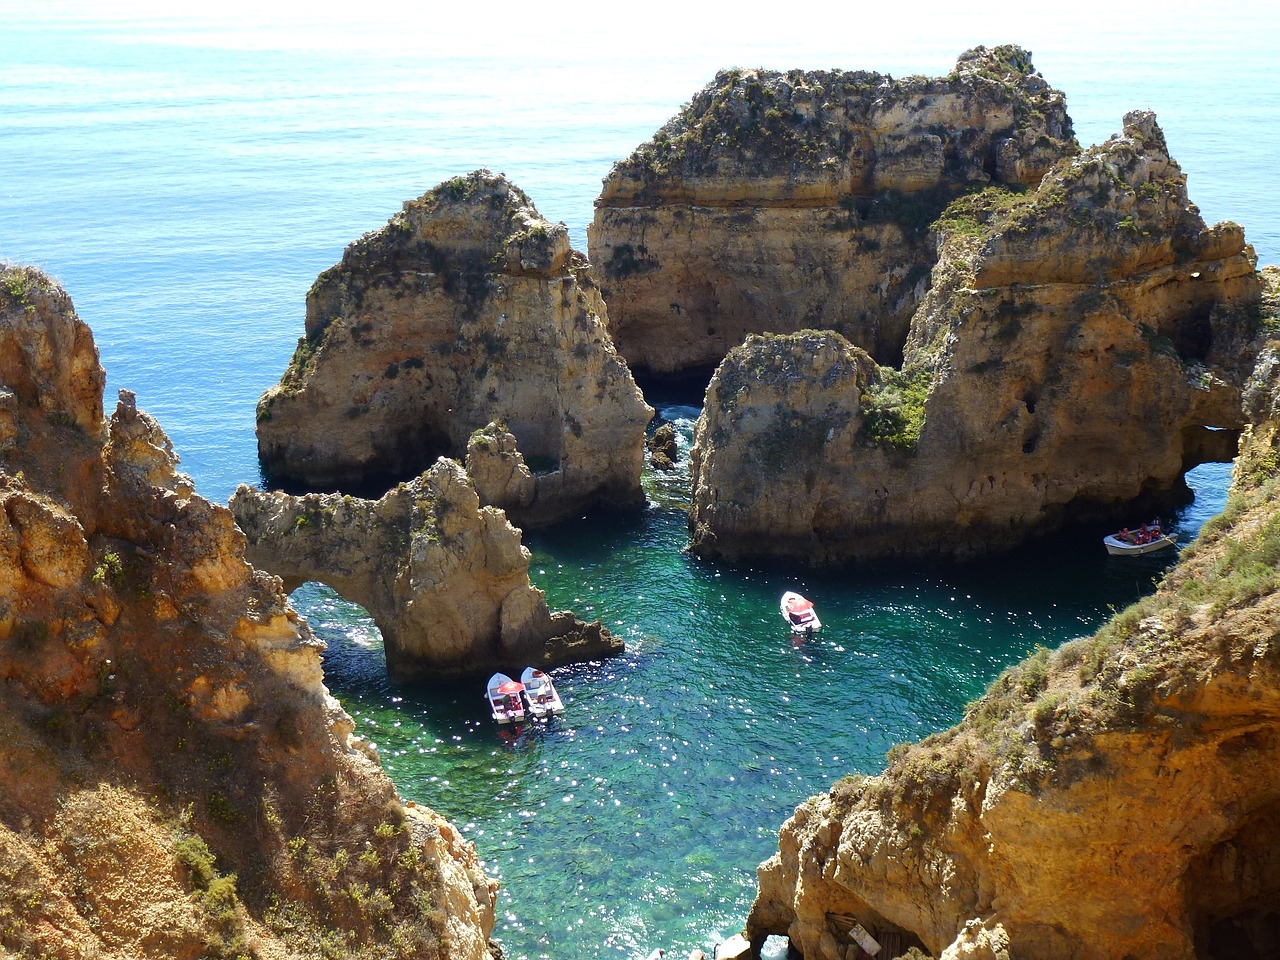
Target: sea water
187,178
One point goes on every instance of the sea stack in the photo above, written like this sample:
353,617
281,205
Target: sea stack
776,202
467,308
1080,347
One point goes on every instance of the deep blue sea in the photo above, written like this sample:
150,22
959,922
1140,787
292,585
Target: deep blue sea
187,177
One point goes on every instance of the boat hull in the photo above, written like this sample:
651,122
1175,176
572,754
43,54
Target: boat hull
1118,548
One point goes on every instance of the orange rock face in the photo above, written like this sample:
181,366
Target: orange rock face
1080,347
467,308
175,780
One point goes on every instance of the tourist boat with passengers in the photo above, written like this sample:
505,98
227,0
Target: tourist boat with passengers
1147,538
540,694
504,698
799,613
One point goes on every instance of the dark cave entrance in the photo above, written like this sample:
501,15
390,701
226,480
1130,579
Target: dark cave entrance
1233,890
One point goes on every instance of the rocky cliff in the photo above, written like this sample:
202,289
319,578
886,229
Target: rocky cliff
1081,345
779,201
175,780
1117,797
446,581
467,307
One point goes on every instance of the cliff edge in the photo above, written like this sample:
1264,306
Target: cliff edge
1118,796
175,780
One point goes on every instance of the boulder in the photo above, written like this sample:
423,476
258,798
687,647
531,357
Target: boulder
663,449
466,308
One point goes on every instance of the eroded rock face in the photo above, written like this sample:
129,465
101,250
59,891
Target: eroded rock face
1076,345
468,307
1116,797
163,719
446,580
776,202
779,410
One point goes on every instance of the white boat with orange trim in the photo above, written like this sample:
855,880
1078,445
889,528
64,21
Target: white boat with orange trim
799,613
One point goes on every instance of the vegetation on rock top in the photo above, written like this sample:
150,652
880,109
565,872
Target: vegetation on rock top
806,122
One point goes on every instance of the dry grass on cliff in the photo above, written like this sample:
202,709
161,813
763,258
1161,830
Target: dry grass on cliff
1213,614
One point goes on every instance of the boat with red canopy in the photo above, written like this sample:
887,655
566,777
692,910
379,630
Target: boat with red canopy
504,698
799,613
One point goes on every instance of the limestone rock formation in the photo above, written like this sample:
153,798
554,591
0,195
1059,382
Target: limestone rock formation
781,414
1117,797
467,307
1080,348
780,201
175,780
446,580
663,449
498,469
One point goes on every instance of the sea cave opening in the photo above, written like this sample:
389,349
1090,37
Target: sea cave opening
1233,889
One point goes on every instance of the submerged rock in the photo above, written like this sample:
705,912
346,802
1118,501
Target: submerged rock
1115,797
1081,347
445,580
175,780
781,201
467,307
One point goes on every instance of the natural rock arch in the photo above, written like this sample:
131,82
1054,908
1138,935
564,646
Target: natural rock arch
446,580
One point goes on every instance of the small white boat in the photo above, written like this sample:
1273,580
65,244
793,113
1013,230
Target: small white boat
799,613
504,698
540,693
1147,538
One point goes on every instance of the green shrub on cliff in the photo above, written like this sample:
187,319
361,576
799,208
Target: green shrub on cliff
893,408
971,215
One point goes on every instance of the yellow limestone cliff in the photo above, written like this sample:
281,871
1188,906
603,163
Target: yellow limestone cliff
466,308
780,201
1081,346
1116,797
175,780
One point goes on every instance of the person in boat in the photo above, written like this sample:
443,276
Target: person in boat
513,703
1125,536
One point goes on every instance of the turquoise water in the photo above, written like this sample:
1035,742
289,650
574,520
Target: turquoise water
187,180
639,817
